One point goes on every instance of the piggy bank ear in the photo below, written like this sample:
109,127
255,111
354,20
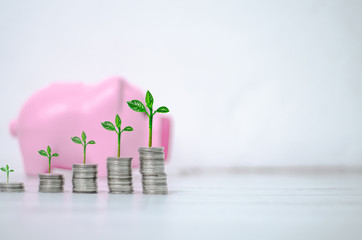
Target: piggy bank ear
14,128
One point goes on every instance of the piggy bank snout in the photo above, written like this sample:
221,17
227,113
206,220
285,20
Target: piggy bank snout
13,127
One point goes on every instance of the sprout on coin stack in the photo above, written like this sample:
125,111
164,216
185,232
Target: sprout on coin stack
50,183
119,170
84,143
152,162
8,171
10,186
84,175
49,155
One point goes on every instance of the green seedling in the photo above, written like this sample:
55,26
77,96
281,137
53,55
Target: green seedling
83,142
138,106
110,126
7,170
49,155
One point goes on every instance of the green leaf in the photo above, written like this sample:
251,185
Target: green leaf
162,109
91,142
84,137
149,99
137,106
76,140
118,121
108,125
55,155
49,150
43,153
3,169
11,170
7,167
128,129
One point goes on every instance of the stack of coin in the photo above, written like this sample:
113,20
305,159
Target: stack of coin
11,187
119,175
51,183
152,168
84,178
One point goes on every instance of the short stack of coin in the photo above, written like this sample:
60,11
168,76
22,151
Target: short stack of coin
152,168
119,175
11,187
51,183
84,178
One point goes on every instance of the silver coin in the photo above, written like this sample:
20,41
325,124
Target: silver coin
145,184
154,183
120,159
119,175
52,187
84,191
85,186
156,175
151,162
56,183
162,179
152,165
119,168
50,175
11,187
150,172
11,190
114,185
150,186
128,186
85,166
85,178
119,182
120,192
152,169
150,149
155,192
52,190
121,189
150,177
112,170
51,183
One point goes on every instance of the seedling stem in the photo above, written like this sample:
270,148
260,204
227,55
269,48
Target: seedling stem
111,127
138,106
49,155
84,143
8,171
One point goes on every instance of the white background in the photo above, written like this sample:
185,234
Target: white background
248,83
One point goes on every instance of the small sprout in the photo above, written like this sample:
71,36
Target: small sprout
110,127
7,170
138,106
84,142
49,155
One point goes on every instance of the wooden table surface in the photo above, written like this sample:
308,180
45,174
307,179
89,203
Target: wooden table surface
215,206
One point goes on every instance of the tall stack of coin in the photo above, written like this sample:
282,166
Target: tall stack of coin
85,178
11,187
152,168
51,183
119,175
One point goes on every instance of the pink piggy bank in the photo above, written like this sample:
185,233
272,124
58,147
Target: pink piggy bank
63,110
